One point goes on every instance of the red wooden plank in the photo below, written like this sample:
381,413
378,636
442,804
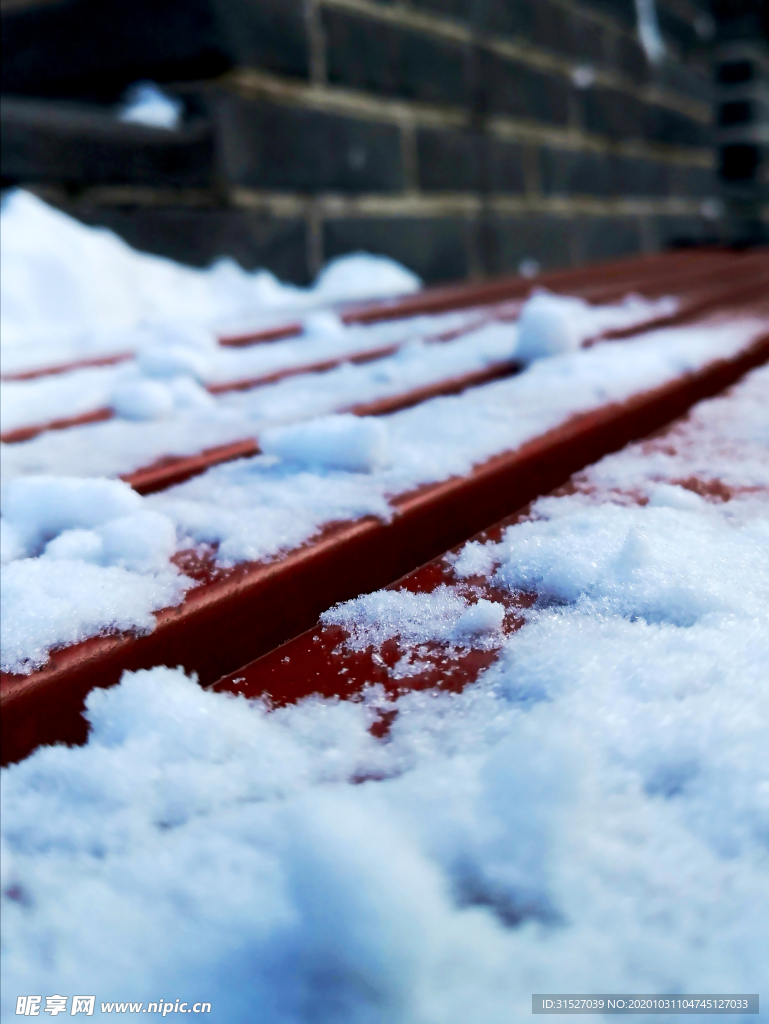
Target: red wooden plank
237,615
694,283
288,330
27,433
442,299
74,364
175,469
449,297
320,661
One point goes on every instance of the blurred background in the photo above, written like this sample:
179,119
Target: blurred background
464,138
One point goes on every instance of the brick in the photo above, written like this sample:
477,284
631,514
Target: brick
454,161
631,61
459,10
51,142
677,232
643,177
677,30
266,145
509,240
604,238
199,236
505,170
522,92
587,173
688,80
614,114
566,32
694,182
675,128
363,53
621,11
433,247
94,48
269,34
565,172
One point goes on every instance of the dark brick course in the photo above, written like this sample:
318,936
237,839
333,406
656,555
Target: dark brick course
200,236
542,237
522,92
94,48
366,54
565,172
266,145
603,238
76,146
458,161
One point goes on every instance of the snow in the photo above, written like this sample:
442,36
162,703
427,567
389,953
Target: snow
102,566
29,402
188,418
53,602
41,507
591,816
70,291
347,442
256,509
360,275
145,103
416,619
166,355
551,324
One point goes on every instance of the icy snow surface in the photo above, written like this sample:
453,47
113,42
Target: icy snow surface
254,509
591,816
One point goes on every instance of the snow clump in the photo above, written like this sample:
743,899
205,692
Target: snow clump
358,444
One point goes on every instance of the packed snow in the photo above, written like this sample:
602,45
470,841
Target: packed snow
255,509
591,816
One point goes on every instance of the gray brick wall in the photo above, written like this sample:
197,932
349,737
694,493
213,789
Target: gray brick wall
459,136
